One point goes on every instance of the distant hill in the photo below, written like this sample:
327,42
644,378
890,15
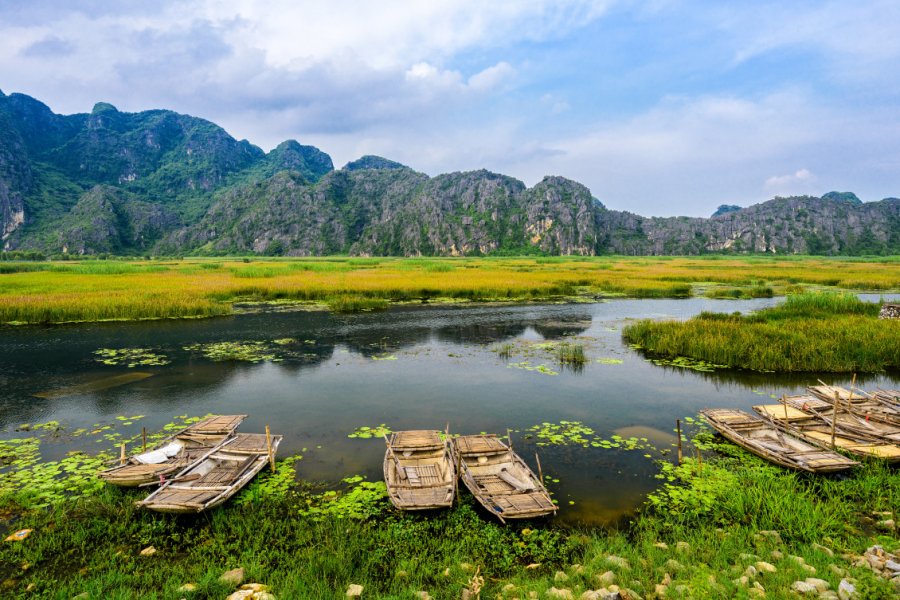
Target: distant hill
162,182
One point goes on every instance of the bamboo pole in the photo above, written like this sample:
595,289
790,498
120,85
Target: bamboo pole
784,402
678,429
269,448
834,418
143,439
509,438
390,450
540,471
122,454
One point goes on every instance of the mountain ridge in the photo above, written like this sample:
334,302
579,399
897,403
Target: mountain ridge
158,181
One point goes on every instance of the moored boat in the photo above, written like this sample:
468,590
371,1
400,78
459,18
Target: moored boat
854,417
763,439
810,428
216,476
174,453
419,471
500,480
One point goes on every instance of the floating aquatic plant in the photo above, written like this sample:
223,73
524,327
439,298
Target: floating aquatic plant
370,432
253,352
361,500
384,357
564,433
610,361
684,362
527,366
131,357
269,485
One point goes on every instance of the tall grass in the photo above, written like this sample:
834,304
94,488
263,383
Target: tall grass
808,332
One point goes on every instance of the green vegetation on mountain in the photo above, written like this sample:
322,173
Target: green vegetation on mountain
161,182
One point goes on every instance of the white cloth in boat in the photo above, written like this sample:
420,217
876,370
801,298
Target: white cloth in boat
161,455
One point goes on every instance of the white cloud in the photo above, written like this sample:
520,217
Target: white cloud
800,179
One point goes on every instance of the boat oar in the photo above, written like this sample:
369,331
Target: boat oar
400,470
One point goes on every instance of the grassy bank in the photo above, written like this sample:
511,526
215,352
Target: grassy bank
808,332
53,292
711,521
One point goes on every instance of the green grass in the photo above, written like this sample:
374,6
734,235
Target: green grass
824,332
568,354
717,506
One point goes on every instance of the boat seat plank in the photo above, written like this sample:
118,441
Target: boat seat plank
479,444
416,440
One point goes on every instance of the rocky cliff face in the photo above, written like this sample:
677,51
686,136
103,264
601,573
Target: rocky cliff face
397,211
797,225
162,182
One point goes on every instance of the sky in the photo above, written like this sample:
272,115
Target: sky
660,107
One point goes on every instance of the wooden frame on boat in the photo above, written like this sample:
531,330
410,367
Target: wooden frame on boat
419,471
215,477
762,438
500,480
186,446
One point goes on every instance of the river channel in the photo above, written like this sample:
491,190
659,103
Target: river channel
408,368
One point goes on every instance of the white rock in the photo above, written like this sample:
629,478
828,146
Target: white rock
263,596
509,588
606,578
892,565
188,587
148,551
661,545
661,590
560,577
809,569
618,561
233,577
821,584
846,590
776,554
763,566
683,547
801,587
741,581
240,595
255,587
561,594
750,572
824,549
423,595
354,590
673,565
590,595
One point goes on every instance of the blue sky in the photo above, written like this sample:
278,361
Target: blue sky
660,107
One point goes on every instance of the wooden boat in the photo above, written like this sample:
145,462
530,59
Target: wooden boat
810,428
763,439
174,453
854,417
419,471
876,406
216,477
500,480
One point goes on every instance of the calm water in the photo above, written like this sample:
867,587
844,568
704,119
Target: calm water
442,367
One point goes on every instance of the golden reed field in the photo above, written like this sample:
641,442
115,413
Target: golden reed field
94,290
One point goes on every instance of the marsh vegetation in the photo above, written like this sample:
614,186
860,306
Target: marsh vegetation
96,290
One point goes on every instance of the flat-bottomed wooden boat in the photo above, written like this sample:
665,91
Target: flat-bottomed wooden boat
810,428
500,480
174,453
763,439
419,471
854,417
216,477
